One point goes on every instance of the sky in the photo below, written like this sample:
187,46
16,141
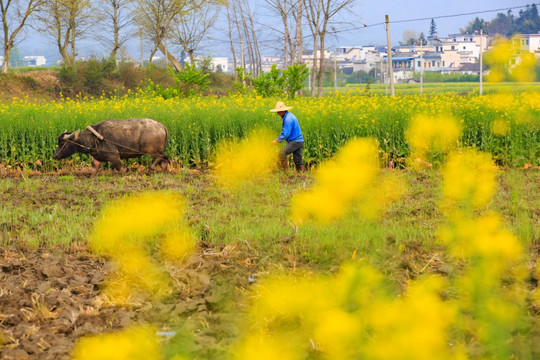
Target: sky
373,12
364,12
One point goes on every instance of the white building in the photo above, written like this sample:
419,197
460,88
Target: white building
35,60
528,43
353,53
220,63
475,38
265,59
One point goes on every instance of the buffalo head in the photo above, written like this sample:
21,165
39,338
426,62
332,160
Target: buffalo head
67,145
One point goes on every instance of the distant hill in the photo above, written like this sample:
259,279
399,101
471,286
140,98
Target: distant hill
527,22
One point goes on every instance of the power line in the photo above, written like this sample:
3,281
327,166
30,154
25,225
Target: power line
436,17
363,26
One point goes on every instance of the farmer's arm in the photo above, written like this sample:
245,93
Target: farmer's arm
286,131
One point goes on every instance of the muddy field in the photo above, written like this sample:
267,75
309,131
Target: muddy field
51,293
48,301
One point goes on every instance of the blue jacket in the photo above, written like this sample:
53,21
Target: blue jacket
291,129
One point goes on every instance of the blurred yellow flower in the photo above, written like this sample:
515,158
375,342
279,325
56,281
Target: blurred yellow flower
500,127
126,230
469,179
136,343
483,236
249,159
339,183
427,134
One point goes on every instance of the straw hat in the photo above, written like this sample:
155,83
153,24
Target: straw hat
280,106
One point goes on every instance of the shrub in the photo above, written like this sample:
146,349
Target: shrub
269,84
294,77
242,85
191,81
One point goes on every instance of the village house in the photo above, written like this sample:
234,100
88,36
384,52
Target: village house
528,43
457,53
35,61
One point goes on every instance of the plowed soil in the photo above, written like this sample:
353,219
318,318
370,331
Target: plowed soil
48,301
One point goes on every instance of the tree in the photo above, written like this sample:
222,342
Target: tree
241,19
409,38
422,39
314,15
321,14
291,15
15,15
16,59
294,77
115,17
229,23
191,28
432,28
501,25
155,18
251,37
474,26
528,21
281,7
66,21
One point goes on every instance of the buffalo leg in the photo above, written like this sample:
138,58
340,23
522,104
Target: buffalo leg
117,164
162,160
97,164
164,163
156,161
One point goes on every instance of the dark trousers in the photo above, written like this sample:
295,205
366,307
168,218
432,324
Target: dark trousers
295,148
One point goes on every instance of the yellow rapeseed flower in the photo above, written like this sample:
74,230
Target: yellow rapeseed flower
525,69
469,179
252,158
483,236
500,127
427,134
126,230
136,343
339,183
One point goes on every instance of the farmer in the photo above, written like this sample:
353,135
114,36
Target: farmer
292,133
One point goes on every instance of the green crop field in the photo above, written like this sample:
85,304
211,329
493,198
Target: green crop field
505,125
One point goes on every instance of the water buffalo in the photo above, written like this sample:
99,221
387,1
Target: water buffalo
113,140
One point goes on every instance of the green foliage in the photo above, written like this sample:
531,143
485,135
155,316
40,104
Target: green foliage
28,132
527,22
191,81
361,77
269,84
188,82
242,85
435,76
294,77
432,28
15,58
88,76
205,65
273,83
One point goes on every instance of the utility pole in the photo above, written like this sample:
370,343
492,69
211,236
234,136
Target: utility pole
386,78
481,50
389,53
335,74
380,69
421,67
